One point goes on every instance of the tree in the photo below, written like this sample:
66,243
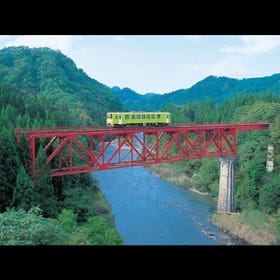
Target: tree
24,151
30,228
43,191
68,220
9,165
208,175
270,196
99,232
22,192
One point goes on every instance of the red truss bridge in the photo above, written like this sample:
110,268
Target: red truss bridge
74,150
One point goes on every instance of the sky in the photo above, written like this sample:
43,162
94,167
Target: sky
161,63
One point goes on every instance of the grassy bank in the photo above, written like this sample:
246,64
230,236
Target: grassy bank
253,226
175,173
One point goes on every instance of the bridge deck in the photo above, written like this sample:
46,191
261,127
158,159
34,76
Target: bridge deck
83,130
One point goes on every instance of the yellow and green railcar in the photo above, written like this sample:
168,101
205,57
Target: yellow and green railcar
138,118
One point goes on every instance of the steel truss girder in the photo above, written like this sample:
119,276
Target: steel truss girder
80,150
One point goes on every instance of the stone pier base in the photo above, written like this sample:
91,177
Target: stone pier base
226,202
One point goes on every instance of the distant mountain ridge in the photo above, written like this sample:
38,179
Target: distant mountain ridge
215,88
49,73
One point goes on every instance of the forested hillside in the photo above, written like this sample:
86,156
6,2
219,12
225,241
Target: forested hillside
43,88
60,84
218,89
257,191
134,101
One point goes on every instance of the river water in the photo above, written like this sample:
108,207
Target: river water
151,211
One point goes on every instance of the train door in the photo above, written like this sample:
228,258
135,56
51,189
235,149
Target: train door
120,119
167,118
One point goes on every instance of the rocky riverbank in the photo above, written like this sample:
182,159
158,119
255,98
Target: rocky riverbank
254,234
248,228
175,176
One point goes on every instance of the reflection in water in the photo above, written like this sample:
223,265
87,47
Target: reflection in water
151,211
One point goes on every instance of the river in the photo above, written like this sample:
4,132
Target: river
151,211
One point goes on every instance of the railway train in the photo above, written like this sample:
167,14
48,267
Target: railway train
118,119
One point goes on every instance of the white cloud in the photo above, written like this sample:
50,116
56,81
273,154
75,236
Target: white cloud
235,66
195,38
60,42
118,38
255,45
5,37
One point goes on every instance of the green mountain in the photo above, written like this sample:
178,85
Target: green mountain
41,88
49,73
133,100
217,89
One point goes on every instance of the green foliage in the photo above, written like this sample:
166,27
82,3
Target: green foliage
99,232
43,88
29,228
250,170
94,231
278,219
254,187
24,151
270,196
22,192
275,141
181,113
79,197
66,90
43,191
68,220
208,175
259,111
9,165
247,195
255,218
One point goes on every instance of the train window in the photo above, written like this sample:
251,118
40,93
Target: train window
126,117
148,116
158,116
138,117
143,116
153,116
120,117
133,117
116,117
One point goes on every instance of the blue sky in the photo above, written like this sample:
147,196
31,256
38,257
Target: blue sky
161,63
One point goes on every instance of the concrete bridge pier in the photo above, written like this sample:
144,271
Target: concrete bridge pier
270,154
226,202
